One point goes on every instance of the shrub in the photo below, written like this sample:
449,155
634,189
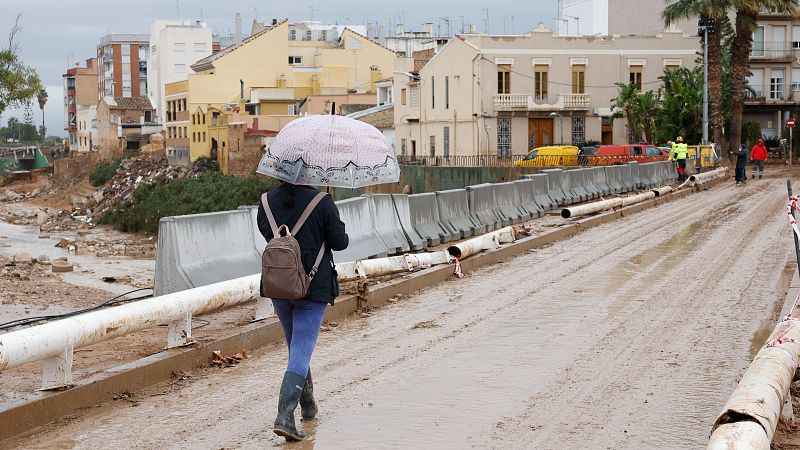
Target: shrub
104,172
209,192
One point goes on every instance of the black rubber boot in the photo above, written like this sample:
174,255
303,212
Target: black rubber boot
291,388
308,407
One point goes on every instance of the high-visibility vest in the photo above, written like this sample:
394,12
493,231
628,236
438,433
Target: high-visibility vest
679,151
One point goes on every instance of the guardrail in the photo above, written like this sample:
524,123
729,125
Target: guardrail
520,161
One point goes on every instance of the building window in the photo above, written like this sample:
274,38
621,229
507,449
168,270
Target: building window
503,78
776,84
183,102
795,80
186,132
194,136
200,46
578,130
433,145
204,136
180,68
194,119
414,96
446,142
635,77
540,82
403,96
758,41
579,79
446,92
143,87
180,47
433,93
403,148
504,136
126,49
796,37
295,60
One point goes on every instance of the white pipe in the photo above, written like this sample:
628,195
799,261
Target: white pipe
485,242
589,208
739,436
663,190
51,339
760,395
638,198
702,178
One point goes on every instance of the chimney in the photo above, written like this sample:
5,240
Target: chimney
427,28
472,28
238,27
398,29
274,22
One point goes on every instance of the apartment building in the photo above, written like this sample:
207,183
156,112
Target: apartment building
80,90
406,43
122,65
609,17
268,75
174,47
775,73
504,95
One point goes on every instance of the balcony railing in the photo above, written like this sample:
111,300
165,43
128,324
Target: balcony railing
770,92
538,102
767,50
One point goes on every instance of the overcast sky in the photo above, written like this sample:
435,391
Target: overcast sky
57,31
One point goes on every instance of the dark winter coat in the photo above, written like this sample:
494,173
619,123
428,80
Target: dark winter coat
741,158
323,225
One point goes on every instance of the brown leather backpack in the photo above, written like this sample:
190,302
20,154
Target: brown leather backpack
282,273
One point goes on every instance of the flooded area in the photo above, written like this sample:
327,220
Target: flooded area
630,335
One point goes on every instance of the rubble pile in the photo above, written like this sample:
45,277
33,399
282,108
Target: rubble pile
134,172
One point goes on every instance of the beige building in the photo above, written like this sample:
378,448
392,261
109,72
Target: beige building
503,95
123,123
270,75
775,78
80,91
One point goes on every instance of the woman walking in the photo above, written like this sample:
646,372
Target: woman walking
320,231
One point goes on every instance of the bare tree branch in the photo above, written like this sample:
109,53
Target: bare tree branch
15,30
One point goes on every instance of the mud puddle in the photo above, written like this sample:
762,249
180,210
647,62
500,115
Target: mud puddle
768,325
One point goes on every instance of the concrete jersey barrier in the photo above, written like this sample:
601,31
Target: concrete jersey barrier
508,204
555,186
526,192
589,183
358,215
201,249
626,176
638,183
387,224
542,192
415,241
425,219
573,181
614,177
600,180
453,207
481,206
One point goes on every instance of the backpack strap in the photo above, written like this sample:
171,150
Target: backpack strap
302,220
270,217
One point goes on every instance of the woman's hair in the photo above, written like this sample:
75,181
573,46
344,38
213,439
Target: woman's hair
289,200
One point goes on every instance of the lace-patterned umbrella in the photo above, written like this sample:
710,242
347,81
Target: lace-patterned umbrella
330,150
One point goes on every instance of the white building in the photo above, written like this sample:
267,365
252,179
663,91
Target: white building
174,47
86,135
312,30
405,43
610,17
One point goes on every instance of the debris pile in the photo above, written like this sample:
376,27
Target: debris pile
134,172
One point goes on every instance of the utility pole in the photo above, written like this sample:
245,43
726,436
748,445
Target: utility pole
704,25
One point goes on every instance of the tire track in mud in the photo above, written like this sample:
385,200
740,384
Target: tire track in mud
427,371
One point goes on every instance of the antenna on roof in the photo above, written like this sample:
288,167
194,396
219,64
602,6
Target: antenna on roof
178,8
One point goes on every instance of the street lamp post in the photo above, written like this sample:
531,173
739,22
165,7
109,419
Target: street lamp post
560,124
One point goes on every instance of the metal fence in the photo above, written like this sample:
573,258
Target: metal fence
519,161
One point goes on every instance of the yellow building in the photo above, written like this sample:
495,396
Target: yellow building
268,75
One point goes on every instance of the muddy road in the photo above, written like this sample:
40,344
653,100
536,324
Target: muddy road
630,335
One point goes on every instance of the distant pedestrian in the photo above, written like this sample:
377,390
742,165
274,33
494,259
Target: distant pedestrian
741,165
678,153
318,235
759,154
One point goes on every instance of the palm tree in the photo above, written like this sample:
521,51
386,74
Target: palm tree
705,10
41,97
741,45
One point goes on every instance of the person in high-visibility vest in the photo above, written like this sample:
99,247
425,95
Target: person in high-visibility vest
678,153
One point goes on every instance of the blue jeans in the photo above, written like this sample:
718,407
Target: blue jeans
300,320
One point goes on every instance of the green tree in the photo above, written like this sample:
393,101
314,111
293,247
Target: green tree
741,46
41,97
19,83
640,110
681,112
709,11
